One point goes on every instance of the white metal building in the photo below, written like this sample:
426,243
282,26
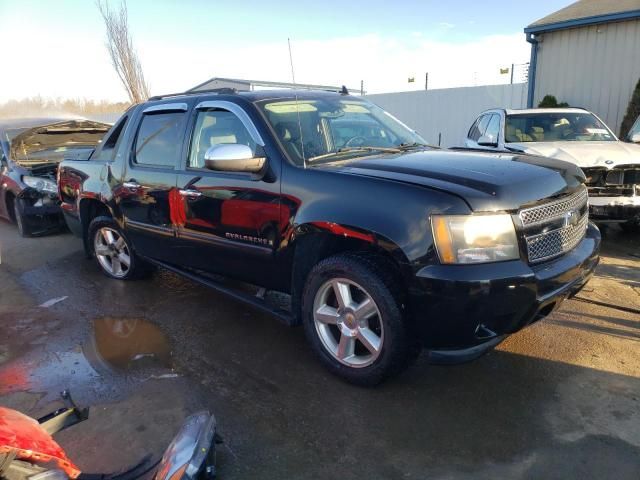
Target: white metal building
443,116
587,54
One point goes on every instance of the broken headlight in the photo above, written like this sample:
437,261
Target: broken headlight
191,454
474,238
40,184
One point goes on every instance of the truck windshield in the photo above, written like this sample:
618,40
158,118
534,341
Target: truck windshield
556,127
326,129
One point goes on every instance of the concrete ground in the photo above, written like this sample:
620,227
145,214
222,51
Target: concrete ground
559,400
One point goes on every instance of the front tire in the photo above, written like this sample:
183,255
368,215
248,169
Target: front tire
23,228
353,321
113,252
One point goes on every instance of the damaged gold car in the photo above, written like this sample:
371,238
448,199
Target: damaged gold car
30,151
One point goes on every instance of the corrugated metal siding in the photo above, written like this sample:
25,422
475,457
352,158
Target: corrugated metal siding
594,67
449,111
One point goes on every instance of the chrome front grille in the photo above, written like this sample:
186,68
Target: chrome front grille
556,242
555,209
556,227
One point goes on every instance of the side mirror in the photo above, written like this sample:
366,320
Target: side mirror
233,157
488,141
635,138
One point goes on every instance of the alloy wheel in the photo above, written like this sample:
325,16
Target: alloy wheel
348,322
112,252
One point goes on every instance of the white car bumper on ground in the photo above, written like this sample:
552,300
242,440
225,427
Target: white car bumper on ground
614,209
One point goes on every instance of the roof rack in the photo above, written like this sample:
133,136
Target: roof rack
250,85
224,90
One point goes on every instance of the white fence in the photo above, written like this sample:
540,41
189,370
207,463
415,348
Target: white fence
446,114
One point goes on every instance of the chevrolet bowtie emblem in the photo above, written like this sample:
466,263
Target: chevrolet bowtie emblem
571,218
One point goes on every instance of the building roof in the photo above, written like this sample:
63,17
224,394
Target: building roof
587,12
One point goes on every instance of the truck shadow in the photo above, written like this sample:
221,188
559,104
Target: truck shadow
630,274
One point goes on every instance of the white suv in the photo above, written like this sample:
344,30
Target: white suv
576,135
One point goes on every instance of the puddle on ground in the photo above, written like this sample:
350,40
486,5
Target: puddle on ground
123,344
119,351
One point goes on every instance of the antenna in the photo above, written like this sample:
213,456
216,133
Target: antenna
293,78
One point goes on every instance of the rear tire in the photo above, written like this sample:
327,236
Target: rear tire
23,228
113,252
353,320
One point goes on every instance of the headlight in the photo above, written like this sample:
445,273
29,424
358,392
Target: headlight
41,184
474,238
186,458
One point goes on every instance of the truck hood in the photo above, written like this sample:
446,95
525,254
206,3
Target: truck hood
486,181
585,154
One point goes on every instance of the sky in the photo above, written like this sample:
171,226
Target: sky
57,48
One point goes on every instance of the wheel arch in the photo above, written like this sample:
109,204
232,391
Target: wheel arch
88,209
313,242
9,200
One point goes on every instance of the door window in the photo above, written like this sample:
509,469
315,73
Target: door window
493,128
159,139
216,127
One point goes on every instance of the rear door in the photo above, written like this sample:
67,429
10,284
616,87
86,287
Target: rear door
231,222
150,178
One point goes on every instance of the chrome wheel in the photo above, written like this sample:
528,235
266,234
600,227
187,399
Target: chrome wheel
348,322
112,252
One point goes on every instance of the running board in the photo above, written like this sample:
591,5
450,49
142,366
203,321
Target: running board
256,301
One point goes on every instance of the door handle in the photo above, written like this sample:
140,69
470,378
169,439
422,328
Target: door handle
131,184
189,192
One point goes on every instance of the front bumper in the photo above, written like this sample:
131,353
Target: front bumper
614,208
458,307
40,218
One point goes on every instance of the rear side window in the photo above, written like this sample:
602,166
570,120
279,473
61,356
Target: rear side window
159,139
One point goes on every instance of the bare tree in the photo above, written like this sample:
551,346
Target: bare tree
123,57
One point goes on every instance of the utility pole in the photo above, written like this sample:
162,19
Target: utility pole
361,88
426,81
512,65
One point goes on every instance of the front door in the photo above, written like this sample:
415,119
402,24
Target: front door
232,221
150,179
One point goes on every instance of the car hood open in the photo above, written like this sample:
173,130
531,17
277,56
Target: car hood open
585,154
51,142
486,181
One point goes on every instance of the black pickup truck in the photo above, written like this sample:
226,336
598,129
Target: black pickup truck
381,244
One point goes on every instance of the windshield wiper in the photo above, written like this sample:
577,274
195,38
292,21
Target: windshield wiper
410,146
342,150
